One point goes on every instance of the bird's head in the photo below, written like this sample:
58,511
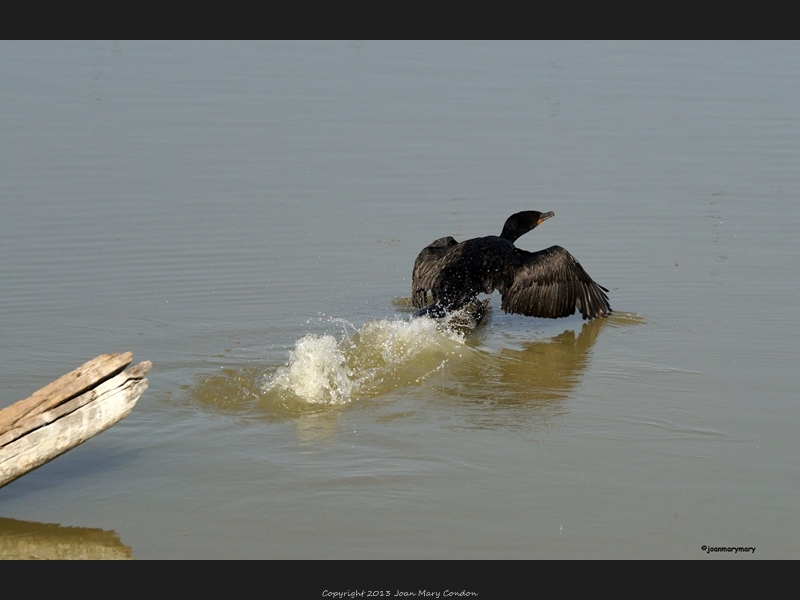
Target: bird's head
521,223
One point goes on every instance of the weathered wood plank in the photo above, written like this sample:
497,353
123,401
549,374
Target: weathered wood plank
65,388
31,422
52,440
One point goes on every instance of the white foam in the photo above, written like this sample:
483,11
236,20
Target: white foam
317,371
383,354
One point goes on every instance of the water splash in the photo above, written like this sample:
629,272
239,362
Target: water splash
382,355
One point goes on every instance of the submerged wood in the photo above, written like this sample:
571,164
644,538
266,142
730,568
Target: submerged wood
68,412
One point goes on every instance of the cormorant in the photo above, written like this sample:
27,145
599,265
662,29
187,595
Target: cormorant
549,283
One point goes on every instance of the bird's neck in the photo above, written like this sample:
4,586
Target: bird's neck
511,233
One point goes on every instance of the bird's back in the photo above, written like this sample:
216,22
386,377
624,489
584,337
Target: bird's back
455,273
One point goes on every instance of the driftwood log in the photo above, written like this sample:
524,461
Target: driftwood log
68,412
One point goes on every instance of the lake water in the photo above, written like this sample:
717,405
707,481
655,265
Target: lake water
246,216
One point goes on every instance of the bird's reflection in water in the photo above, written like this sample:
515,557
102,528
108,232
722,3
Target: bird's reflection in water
510,387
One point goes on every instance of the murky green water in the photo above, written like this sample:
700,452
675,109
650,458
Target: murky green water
246,216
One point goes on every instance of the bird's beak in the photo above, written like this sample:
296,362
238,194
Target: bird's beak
544,216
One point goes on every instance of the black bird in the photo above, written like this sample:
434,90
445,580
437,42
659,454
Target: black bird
549,283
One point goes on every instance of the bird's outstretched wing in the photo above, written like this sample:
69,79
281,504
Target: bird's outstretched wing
427,268
552,284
